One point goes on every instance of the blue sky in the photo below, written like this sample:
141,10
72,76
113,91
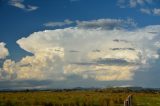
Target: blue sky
41,41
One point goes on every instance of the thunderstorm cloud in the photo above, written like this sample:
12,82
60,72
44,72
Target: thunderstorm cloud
102,54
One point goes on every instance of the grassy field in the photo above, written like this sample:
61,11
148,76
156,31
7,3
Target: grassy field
71,98
146,99
76,98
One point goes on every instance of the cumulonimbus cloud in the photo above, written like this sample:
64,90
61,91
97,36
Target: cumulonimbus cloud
97,53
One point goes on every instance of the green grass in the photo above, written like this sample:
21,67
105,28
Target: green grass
76,98
146,99
71,98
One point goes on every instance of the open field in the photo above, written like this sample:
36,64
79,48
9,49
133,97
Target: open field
76,98
146,99
71,98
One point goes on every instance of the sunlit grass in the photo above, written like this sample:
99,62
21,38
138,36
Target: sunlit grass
71,98
77,98
146,99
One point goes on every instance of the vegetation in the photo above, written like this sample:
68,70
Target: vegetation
146,99
70,98
105,97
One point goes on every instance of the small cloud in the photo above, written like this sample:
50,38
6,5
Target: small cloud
145,11
19,4
121,3
32,8
3,51
133,3
59,24
157,44
140,4
156,11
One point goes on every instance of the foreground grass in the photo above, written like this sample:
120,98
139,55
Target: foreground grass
71,98
76,98
146,99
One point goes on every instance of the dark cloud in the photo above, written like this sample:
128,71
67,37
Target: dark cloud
153,32
113,61
96,50
107,61
120,40
73,51
25,65
122,49
84,63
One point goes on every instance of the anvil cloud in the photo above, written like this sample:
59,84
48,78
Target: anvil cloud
90,53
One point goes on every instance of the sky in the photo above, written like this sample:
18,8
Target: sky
79,43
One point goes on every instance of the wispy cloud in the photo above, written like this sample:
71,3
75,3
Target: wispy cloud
154,11
145,11
145,6
59,24
21,5
133,3
107,23
121,3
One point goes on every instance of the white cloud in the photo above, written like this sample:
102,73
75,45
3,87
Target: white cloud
156,11
59,24
157,44
107,23
19,4
145,11
133,3
91,53
3,51
31,8
121,3
142,4
45,64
